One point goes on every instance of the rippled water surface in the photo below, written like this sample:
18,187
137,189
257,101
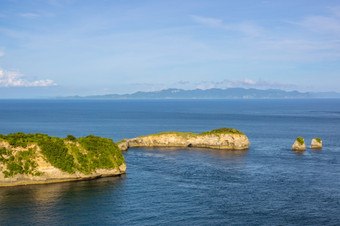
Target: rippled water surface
267,184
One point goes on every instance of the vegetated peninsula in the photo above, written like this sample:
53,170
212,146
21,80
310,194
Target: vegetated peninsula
230,93
39,158
223,138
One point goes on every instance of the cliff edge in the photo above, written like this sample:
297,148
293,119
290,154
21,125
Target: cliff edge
223,138
39,159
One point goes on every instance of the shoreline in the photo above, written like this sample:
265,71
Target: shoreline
53,181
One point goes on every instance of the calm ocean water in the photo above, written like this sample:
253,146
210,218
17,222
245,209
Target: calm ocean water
268,184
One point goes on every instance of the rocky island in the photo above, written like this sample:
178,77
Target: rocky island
39,159
299,144
316,143
223,138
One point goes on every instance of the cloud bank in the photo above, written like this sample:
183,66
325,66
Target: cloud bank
15,79
223,84
246,27
244,83
29,15
326,25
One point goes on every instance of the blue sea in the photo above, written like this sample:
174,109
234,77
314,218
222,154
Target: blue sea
269,184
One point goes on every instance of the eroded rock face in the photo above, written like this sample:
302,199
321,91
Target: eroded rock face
217,141
299,145
123,144
316,143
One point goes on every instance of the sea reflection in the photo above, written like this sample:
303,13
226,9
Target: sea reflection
167,152
40,202
225,154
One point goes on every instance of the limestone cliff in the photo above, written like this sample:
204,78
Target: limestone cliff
38,159
223,138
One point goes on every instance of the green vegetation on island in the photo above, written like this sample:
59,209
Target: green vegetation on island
21,163
121,141
70,154
223,130
189,134
300,140
318,140
222,138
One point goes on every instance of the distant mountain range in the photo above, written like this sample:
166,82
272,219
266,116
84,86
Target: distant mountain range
231,93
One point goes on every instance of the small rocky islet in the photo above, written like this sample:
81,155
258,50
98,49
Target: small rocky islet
316,143
300,145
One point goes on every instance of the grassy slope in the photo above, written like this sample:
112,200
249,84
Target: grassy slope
188,135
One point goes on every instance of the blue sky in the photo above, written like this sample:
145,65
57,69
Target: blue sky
58,48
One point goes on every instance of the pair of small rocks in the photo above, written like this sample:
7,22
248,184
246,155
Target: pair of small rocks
300,145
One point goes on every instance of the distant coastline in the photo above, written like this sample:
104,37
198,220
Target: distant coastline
230,93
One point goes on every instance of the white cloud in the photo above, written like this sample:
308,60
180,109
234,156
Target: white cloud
29,15
321,24
246,27
224,84
2,53
300,50
15,79
244,83
211,22
335,10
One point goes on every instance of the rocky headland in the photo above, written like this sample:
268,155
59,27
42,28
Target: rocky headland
299,144
223,138
39,158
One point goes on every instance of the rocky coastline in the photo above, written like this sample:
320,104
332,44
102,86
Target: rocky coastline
223,138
